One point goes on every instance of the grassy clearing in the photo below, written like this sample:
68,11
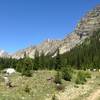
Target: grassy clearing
78,91
92,85
40,88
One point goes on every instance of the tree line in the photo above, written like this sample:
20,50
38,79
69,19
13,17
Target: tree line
85,55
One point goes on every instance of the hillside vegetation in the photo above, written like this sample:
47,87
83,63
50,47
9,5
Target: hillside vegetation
85,55
38,87
64,76
28,88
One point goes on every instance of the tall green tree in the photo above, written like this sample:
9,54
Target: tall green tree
27,67
42,60
36,61
58,60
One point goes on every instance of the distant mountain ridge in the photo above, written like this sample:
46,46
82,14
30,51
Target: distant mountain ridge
85,28
4,54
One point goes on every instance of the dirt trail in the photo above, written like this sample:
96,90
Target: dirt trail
95,95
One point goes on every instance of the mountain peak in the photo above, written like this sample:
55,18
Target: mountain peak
89,23
97,7
85,28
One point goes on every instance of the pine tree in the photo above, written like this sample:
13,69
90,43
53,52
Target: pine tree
57,60
36,61
27,67
78,62
42,60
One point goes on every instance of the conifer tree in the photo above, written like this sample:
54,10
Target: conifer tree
42,60
27,67
36,61
58,60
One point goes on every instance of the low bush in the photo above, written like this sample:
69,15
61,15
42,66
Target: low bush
82,77
60,87
54,97
57,79
88,75
76,86
26,72
67,73
27,89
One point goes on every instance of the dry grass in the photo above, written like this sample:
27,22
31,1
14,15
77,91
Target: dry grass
42,89
39,87
81,92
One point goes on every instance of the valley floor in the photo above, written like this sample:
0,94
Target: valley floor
95,95
88,91
39,87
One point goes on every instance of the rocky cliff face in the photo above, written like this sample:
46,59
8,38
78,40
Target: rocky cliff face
89,23
47,47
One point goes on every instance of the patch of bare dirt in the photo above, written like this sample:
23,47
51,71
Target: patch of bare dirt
95,95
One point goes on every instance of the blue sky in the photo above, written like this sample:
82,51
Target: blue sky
29,22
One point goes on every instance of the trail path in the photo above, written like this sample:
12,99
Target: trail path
95,95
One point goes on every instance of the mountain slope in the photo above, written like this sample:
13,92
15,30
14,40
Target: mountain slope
86,55
89,23
48,47
85,28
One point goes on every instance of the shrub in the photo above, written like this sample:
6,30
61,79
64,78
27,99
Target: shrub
27,72
76,86
67,73
57,79
82,77
60,87
27,89
88,75
54,97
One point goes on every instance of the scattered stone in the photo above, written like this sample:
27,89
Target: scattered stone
9,71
